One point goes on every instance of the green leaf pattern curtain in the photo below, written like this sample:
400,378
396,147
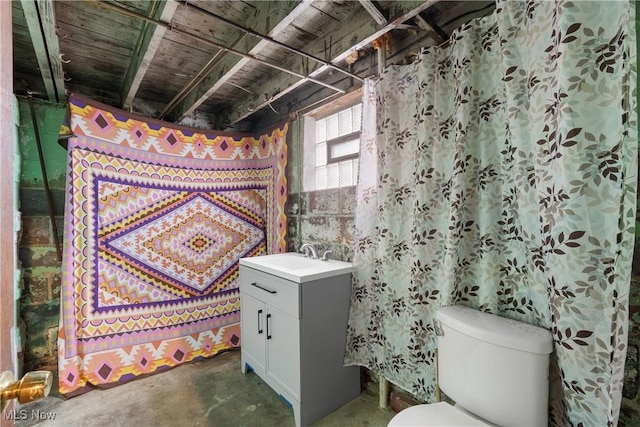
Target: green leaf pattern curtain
500,173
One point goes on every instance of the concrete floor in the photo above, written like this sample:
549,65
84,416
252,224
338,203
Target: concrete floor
211,392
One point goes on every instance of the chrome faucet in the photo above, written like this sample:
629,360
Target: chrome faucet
324,255
309,246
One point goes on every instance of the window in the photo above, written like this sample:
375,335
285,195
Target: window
332,144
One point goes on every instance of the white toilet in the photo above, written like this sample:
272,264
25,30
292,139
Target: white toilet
495,369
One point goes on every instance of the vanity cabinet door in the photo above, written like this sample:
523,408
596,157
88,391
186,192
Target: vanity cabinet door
254,317
293,336
283,350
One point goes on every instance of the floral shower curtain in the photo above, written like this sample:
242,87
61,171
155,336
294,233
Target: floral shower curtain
500,173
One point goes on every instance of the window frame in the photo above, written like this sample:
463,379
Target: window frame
309,142
339,140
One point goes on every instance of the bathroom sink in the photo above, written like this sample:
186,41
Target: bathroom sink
296,267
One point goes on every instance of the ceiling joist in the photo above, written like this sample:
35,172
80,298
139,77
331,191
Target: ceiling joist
375,13
432,29
344,41
200,76
284,15
232,65
41,22
220,46
270,39
149,41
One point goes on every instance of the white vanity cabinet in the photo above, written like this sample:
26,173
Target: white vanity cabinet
294,338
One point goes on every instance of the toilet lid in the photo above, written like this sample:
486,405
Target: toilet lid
436,414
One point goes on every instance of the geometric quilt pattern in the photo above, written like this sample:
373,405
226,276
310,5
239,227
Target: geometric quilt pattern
152,243
189,242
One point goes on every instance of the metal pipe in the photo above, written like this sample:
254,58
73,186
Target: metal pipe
383,389
269,39
241,88
301,110
299,153
152,10
438,393
381,46
202,74
132,14
45,179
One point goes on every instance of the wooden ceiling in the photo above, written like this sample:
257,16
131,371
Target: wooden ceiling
236,65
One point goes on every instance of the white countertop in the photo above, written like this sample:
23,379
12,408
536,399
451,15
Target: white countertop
296,267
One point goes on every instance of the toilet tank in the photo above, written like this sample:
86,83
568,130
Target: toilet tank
493,367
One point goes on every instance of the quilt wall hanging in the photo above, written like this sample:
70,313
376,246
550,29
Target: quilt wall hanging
156,219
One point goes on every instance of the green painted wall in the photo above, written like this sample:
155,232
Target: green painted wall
49,118
41,268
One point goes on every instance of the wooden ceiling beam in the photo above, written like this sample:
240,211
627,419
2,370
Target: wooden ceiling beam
217,45
360,32
434,31
148,43
284,14
373,10
41,22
